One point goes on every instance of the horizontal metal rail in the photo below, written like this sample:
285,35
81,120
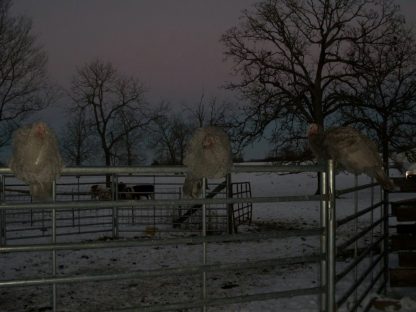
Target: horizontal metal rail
360,234
355,188
163,170
358,282
359,214
159,242
211,302
162,272
169,203
358,259
100,231
366,292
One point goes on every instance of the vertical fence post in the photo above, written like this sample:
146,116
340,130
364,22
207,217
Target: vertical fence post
385,212
114,194
153,197
230,207
3,224
330,239
323,217
54,295
355,233
372,229
204,245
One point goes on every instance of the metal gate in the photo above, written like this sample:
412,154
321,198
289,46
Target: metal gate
242,212
366,270
32,224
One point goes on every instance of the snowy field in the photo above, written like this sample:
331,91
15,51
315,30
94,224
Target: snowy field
145,291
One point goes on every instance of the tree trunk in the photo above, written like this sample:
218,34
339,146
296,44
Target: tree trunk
385,147
319,119
108,164
318,188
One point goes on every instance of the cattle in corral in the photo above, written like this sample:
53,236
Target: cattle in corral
143,190
124,192
99,192
139,191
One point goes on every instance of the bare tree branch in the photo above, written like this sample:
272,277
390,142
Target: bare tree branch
107,98
294,57
385,98
23,79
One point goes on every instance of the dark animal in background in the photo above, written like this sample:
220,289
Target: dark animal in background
136,192
140,191
351,149
143,190
36,159
124,192
99,192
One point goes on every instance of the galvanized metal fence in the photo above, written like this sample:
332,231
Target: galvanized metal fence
33,224
365,270
358,264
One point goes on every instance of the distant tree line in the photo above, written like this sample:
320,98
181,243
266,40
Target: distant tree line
109,113
108,121
330,62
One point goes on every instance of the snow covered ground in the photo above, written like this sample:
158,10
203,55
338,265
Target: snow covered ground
155,290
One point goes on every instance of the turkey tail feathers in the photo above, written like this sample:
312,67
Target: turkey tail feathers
41,191
383,179
192,187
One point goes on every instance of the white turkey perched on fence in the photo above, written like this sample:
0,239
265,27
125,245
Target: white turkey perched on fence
208,155
36,159
351,149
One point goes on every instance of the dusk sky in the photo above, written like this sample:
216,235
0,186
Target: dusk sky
172,46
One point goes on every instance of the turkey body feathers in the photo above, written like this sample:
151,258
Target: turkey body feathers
207,155
36,159
352,150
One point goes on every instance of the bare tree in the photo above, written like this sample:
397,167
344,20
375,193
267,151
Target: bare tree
129,150
294,57
106,96
216,112
385,92
169,136
23,79
172,131
77,141
209,113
